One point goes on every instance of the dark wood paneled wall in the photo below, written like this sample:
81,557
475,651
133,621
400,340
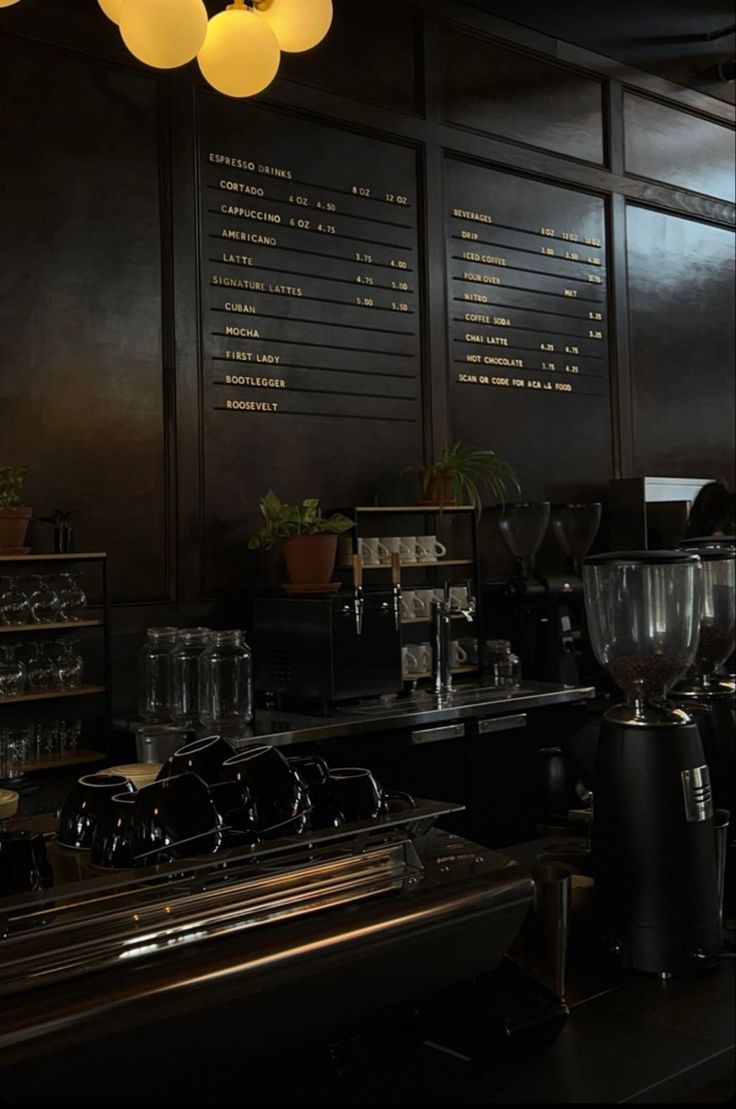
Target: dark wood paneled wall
106,363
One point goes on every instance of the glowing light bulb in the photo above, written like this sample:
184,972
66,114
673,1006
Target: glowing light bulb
298,24
7,3
163,33
241,55
111,8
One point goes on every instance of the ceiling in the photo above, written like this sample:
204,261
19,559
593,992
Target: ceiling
659,36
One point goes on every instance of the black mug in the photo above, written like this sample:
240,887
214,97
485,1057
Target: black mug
269,793
203,757
85,805
24,866
175,818
316,773
358,796
112,839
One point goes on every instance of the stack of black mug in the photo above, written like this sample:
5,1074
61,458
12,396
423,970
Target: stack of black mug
207,798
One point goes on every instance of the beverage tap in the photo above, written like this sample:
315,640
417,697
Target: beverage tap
358,601
396,583
442,644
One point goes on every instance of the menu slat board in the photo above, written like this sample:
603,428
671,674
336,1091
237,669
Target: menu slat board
310,298
527,299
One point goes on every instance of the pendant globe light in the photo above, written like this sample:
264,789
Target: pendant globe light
298,24
241,55
163,33
7,3
111,8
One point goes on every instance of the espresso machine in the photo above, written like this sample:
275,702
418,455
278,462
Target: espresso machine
548,610
654,844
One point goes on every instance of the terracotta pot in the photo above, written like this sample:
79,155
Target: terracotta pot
310,559
13,527
440,493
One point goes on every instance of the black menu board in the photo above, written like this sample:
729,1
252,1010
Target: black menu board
527,304
310,304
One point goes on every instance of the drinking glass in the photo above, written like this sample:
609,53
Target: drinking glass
14,607
16,751
69,666
71,597
41,670
12,674
43,602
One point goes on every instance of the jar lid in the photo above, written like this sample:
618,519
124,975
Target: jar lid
642,558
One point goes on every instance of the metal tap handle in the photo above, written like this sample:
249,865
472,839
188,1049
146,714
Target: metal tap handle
396,582
358,602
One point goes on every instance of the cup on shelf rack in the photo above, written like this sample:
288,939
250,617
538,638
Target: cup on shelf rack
429,548
370,551
458,654
409,662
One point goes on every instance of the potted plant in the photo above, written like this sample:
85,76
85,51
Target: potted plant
14,517
461,475
309,538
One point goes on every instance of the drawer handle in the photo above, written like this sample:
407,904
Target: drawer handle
436,735
501,723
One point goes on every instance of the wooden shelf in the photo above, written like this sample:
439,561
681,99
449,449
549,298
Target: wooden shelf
88,557
419,509
62,625
83,691
417,565
71,758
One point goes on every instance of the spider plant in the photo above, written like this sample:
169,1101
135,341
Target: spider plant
463,474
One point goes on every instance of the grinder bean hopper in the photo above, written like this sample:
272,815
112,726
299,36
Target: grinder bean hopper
653,839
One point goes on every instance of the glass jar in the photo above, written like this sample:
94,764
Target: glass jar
183,682
504,667
153,674
226,684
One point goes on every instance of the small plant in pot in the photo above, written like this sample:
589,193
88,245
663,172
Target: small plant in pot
309,538
14,516
461,476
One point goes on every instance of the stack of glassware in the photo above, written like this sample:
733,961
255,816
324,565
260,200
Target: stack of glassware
40,672
40,603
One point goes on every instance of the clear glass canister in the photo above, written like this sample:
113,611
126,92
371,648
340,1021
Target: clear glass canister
153,675
226,684
643,610
184,691
504,667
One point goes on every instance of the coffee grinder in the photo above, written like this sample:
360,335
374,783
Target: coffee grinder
709,696
548,606
654,849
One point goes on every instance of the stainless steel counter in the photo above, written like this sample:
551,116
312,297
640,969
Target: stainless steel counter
283,727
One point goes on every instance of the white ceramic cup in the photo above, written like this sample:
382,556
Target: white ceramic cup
423,651
429,549
409,661
459,596
408,597
470,646
408,548
370,551
423,604
458,655
389,545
